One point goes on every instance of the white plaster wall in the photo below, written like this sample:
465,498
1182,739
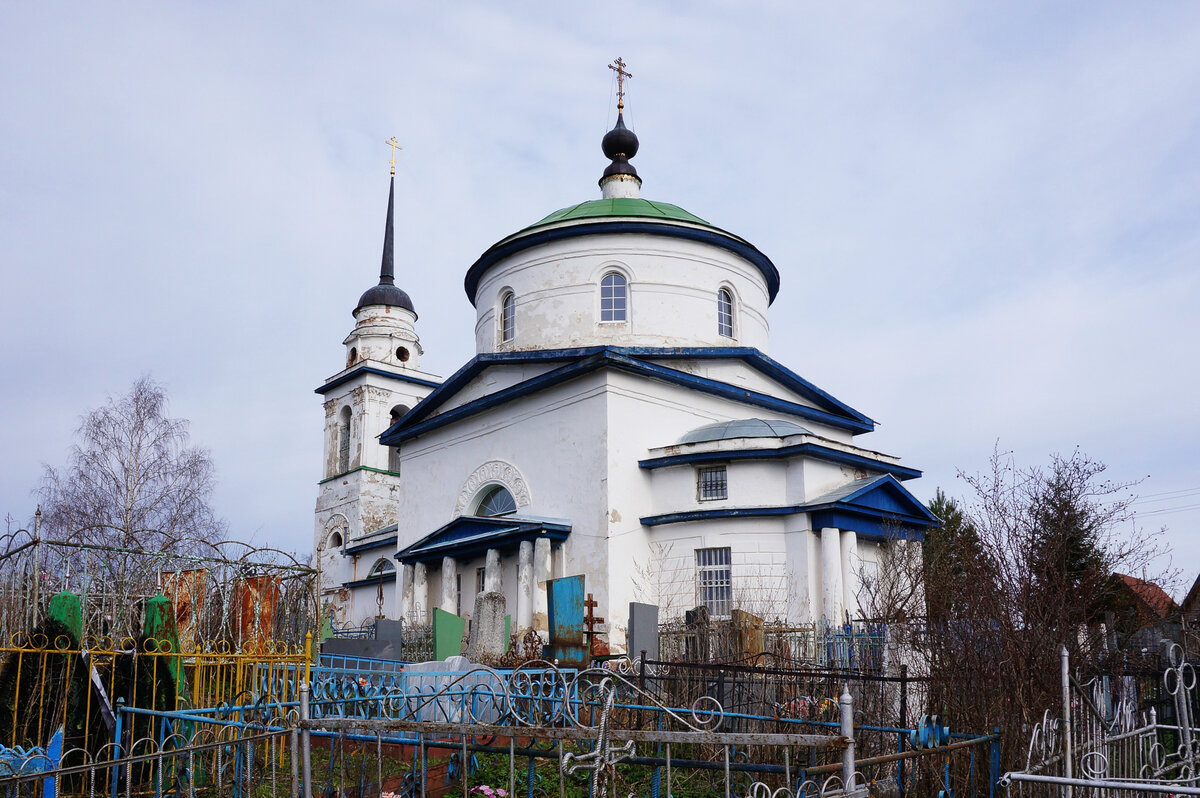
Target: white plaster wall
759,564
672,294
755,483
555,439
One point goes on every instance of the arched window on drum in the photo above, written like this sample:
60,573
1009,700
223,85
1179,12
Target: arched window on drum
614,298
725,313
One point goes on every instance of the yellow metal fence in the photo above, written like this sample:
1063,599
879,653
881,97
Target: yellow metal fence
50,684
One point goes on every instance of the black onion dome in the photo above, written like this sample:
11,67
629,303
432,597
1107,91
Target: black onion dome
619,141
385,295
619,144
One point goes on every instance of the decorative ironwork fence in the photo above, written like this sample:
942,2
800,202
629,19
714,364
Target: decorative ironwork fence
1102,744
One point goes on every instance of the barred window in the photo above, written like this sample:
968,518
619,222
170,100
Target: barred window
614,297
714,581
725,313
508,317
711,484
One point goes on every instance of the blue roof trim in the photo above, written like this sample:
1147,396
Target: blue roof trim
349,375
814,450
375,544
389,576
706,515
583,360
880,508
511,246
470,535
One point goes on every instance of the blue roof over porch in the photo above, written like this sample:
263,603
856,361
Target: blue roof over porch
470,536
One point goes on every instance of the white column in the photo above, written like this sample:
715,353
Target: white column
449,586
420,595
491,572
831,575
800,560
525,587
541,575
851,573
403,589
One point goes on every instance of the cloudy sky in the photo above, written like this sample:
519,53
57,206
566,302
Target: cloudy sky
987,216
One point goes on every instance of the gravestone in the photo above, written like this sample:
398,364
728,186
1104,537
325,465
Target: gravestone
643,630
564,599
749,630
489,638
447,634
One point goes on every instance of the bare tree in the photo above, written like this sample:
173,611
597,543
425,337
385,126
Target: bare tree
1020,569
132,480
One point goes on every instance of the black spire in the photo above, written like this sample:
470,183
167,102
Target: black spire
386,293
387,269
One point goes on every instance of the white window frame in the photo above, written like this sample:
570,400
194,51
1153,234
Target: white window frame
612,311
714,580
701,472
726,313
508,317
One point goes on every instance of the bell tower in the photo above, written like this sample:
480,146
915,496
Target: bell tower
355,529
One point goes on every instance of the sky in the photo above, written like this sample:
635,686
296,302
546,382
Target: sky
986,216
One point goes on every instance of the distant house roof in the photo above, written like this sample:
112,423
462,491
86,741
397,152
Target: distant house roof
1153,596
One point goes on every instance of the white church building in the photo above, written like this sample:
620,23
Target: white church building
622,419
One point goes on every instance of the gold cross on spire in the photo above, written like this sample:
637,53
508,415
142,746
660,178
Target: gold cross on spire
395,145
618,66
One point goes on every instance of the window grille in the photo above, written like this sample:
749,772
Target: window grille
458,595
712,484
382,567
725,313
495,500
508,317
714,581
614,298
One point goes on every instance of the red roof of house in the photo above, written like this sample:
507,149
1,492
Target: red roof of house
1151,595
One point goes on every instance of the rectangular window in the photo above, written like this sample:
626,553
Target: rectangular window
714,581
711,484
479,579
458,595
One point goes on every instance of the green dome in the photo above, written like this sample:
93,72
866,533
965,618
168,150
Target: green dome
620,215
623,206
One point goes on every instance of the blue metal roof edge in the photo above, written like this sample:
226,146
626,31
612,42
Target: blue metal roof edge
375,544
814,450
589,358
349,375
918,515
728,241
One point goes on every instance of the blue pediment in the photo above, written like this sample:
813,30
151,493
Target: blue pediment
875,507
469,536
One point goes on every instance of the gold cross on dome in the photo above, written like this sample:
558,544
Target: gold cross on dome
395,145
618,66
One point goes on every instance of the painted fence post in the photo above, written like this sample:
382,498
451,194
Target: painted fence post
117,733
846,703
305,740
1065,660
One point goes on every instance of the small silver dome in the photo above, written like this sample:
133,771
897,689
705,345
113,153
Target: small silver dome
744,428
